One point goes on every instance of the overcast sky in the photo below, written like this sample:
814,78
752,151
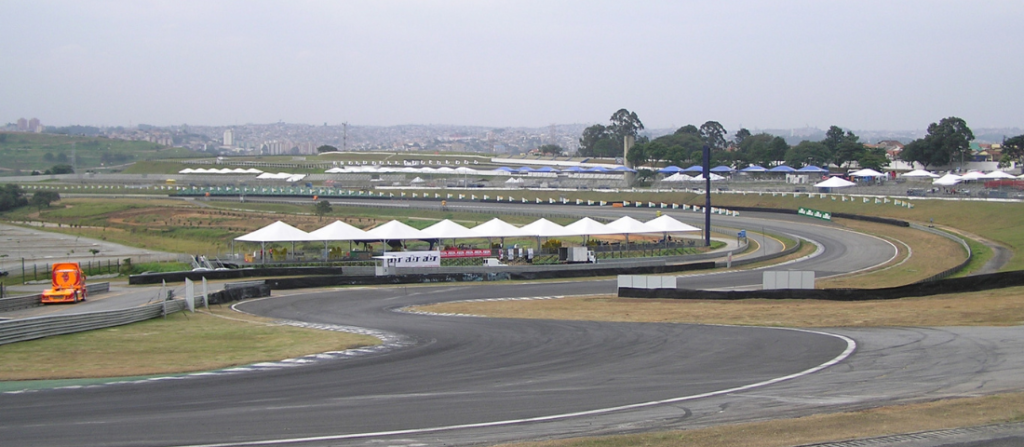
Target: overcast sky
882,65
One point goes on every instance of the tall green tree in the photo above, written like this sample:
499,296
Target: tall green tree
714,134
741,135
322,208
625,123
591,135
873,158
326,148
947,142
11,197
1014,148
42,199
807,153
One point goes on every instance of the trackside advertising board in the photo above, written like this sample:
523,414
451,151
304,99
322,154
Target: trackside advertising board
415,258
466,253
823,215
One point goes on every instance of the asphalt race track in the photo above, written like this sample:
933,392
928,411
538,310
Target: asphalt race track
445,380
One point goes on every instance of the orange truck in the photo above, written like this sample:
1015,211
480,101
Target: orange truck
68,284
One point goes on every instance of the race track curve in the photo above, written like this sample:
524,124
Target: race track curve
444,375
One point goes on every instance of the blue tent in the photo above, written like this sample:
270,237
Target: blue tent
721,169
753,168
694,168
811,169
506,169
782,168
545,169
622,169
524,169
573,169
597,169
670,169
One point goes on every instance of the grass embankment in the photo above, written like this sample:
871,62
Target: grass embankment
179,343
23,152
938,415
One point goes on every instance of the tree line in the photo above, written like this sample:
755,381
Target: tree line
947,142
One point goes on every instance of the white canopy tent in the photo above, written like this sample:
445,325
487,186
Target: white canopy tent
700,178
446,229
667,225
626,226
393,230
834,182
947,180
337,231
867,173
449,230
589,227
677,177
543,228
971,176
920,173
499,229
998,175
275,232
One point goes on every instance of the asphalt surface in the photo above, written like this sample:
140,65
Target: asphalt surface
463,381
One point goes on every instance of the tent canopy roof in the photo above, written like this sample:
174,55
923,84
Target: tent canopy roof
275,232
667,224
449,230
834,182
337,231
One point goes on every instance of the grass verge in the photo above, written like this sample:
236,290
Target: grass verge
1003,307
943,414
180,343
930,254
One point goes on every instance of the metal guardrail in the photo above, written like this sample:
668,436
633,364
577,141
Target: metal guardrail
20,302
13,331
26,301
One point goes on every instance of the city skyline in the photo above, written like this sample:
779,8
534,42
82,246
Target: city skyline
789,65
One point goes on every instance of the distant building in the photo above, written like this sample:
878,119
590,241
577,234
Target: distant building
35,126
22,125
229,138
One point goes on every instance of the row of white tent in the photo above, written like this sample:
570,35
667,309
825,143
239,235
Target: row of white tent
220,171
446,229
954,179
281,176
680,177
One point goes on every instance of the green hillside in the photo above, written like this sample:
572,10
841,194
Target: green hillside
24,152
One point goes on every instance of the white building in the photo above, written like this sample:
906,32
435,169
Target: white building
229,138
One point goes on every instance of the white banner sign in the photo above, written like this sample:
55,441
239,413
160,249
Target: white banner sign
415,258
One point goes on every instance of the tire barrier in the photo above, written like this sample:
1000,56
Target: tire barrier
504,275
882,220
943,286
238,294
13,331
157,278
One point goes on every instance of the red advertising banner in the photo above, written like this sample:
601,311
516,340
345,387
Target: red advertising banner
466,253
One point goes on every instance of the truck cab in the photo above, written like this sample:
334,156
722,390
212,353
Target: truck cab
68,284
